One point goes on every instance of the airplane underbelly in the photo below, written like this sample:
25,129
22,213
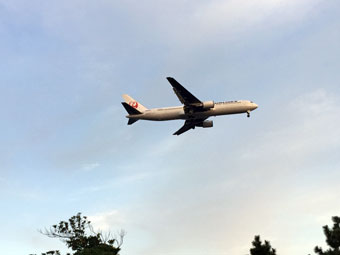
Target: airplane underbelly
165,115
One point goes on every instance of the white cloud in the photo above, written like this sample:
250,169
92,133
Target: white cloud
305,127
192,21
114,183
90,166
220,21
107,221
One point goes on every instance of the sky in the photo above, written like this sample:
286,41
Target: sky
65,146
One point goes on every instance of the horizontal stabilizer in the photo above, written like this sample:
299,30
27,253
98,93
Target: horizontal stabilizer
131,121
130,109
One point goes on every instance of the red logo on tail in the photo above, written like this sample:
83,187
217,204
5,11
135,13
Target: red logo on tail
134,104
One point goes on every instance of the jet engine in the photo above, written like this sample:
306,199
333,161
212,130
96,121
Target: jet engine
208,104
206,124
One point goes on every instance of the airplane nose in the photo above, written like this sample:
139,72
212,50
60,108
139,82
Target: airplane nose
255,106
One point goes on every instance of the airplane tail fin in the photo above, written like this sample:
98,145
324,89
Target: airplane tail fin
134,104
133,108
131,111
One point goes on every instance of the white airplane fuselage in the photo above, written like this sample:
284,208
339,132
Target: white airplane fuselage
178,112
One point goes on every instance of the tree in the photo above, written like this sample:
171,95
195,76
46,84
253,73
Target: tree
261,249
332,238
101,249
78,234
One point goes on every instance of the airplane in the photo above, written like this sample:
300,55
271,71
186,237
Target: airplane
194,111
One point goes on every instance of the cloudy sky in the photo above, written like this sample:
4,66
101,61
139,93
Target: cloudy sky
65,146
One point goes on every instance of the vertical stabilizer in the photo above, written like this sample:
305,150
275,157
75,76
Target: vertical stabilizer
133,103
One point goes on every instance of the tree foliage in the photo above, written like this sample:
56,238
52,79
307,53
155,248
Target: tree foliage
332,239
101,249
261,249
78,234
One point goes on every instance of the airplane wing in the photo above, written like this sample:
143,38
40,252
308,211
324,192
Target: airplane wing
189,124
183,95
185,128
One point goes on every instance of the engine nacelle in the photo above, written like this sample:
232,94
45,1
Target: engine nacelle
206,124
208,104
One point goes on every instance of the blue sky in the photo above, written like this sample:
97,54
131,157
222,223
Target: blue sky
66,148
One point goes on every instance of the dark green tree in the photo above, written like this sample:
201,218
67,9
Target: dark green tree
332,239
78,234
261,249
101,249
